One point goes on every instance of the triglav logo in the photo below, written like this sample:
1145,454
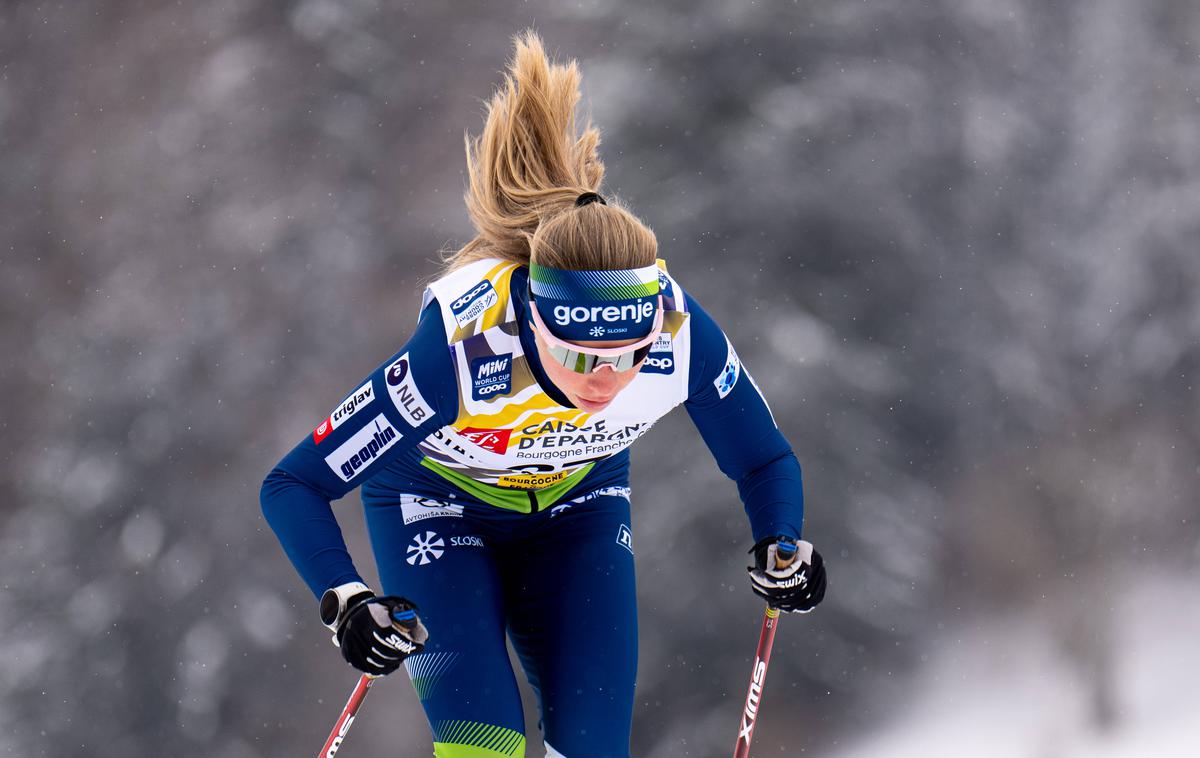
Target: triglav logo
491,375
358,399
425,548
565,315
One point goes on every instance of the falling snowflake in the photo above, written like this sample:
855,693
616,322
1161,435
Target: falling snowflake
425,548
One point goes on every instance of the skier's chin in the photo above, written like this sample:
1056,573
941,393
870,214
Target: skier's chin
593,406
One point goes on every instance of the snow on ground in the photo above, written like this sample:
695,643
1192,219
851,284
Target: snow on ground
1004,690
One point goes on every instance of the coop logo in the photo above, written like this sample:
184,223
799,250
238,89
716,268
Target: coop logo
365,446
491,375
729,375
425,549
405,395
661,359
495,440
472,305
565,315
358,400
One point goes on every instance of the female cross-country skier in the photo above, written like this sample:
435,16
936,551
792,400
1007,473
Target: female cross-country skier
493,450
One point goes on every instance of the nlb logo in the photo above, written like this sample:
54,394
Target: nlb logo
398,371
365,446
565,315
358,399
472,304
491,375
405,395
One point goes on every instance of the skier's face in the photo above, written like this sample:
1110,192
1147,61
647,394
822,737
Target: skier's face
588,392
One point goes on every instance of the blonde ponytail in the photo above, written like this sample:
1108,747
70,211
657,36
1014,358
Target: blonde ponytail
527,168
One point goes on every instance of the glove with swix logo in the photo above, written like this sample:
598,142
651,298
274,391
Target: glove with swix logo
375,634
789,575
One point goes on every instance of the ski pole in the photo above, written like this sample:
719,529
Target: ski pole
342,727
786,552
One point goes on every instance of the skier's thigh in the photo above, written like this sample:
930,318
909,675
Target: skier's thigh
463,677
576,632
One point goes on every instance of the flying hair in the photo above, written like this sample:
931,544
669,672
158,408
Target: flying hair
527,168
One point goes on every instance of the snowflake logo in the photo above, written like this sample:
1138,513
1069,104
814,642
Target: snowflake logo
425,548
596,331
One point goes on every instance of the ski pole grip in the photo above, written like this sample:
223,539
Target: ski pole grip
785,552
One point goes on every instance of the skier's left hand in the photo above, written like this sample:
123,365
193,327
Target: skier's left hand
794,585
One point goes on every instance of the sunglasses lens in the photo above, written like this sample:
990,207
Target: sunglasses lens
585,363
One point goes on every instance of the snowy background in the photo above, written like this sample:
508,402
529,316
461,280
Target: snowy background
957,242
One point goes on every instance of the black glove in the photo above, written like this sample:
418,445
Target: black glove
791,585
375,634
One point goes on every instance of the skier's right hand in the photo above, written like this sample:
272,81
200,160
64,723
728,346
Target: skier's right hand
793,585
375,634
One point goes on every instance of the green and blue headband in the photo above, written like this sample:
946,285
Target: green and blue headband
577,306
